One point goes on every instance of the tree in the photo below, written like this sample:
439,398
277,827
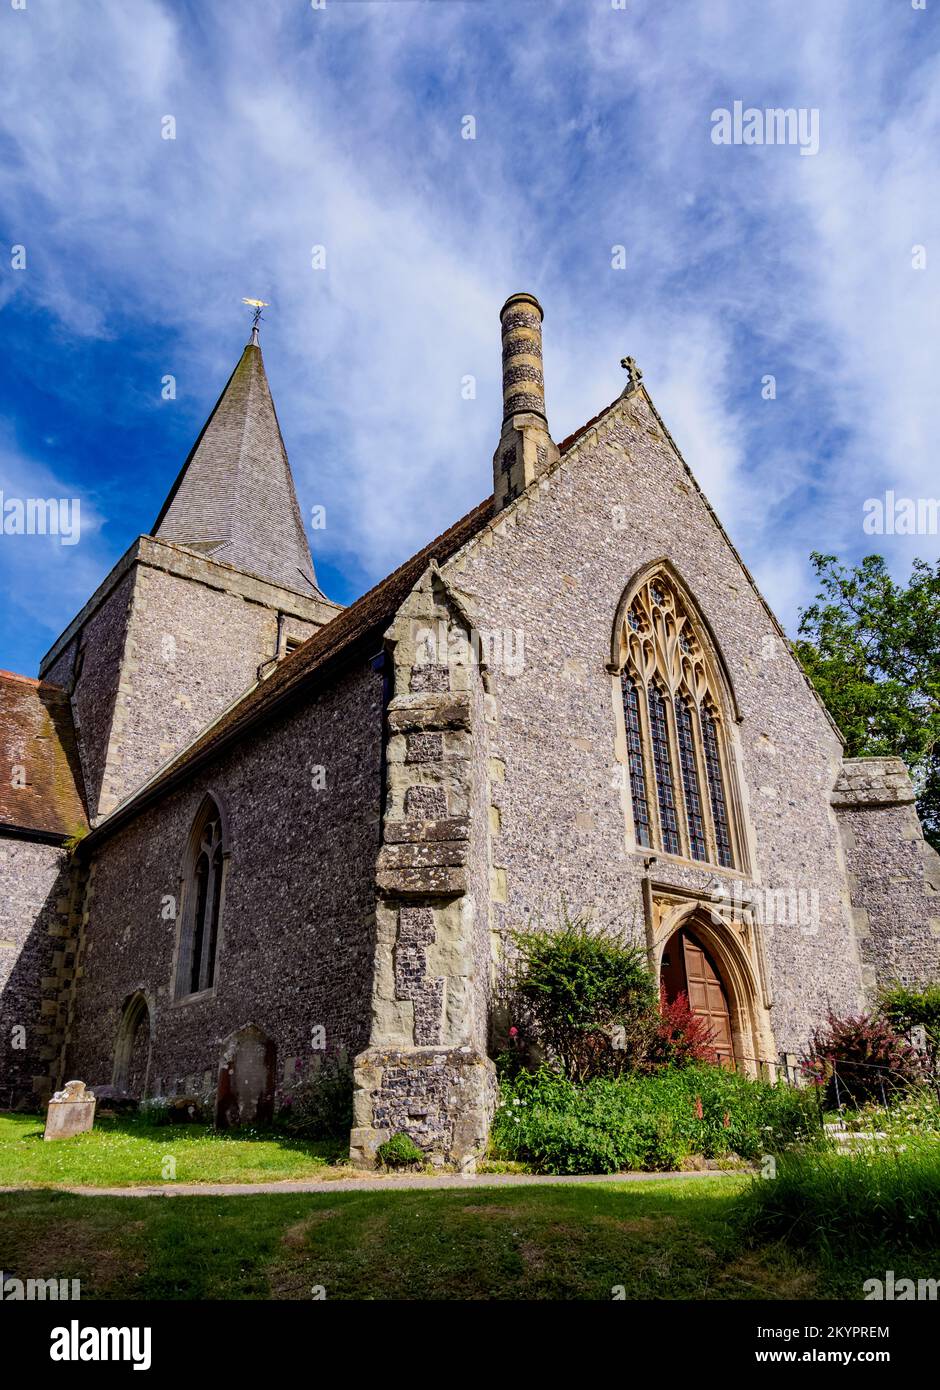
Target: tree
871,647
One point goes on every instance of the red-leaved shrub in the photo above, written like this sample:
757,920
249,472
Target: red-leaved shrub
860,1058
681,1037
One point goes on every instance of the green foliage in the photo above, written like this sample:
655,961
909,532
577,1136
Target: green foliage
586,996
915,1114
154,1110
906,1009
841,1205
872,649
71,844
400,1152
646,1122
319,1104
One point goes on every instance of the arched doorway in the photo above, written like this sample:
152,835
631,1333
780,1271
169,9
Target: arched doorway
132,1049
688,968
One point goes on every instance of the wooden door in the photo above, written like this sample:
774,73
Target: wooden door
707,997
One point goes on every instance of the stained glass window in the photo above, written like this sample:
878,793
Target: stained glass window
641,810
662,762
716,788
693,800
677,752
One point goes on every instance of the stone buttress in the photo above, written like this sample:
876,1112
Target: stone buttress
425,1072
894,874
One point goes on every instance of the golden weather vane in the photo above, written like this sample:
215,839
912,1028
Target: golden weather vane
257,305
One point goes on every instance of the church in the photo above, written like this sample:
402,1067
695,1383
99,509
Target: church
243,828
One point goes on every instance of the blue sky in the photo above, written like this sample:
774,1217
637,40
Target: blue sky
341,128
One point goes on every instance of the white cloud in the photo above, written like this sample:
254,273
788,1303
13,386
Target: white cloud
40,577
342,127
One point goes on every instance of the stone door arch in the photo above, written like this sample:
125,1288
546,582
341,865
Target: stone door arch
734,951
688,968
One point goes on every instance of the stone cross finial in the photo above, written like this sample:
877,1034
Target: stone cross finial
634,375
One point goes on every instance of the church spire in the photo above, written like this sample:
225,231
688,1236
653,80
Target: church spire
234,499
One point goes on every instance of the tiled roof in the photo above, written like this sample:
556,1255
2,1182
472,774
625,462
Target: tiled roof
365,620
41,782
234,498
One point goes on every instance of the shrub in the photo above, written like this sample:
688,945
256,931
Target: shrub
654,1121
585,995
860,1059
173,1110
682,1037
400,1152
907,1009
319,1104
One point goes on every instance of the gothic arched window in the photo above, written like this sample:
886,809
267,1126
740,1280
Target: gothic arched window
202,903
631,715
676,742
662,763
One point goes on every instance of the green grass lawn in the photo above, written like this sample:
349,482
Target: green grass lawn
816,1231
129,1152
673,1240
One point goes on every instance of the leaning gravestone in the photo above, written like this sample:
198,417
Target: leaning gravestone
71,1111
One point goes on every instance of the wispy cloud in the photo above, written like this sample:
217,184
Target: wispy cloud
342,128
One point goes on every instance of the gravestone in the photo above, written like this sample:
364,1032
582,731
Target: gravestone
71,1111
246,1079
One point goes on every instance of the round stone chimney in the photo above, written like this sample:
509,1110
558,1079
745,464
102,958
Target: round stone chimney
523,384
526,450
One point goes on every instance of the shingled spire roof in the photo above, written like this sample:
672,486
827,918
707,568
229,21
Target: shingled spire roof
234,499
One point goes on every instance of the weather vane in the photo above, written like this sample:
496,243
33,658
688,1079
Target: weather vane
257,305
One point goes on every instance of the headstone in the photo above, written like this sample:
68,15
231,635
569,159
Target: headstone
246,1079
71,1111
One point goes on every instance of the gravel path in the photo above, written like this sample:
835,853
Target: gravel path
401,1182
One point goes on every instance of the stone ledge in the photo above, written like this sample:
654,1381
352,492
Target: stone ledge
413,829
425,854
424,881
426,712
873,782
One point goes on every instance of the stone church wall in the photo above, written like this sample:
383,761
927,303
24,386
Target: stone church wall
101,640
545,580
894,873
33,893
191,650
174,641
296,935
